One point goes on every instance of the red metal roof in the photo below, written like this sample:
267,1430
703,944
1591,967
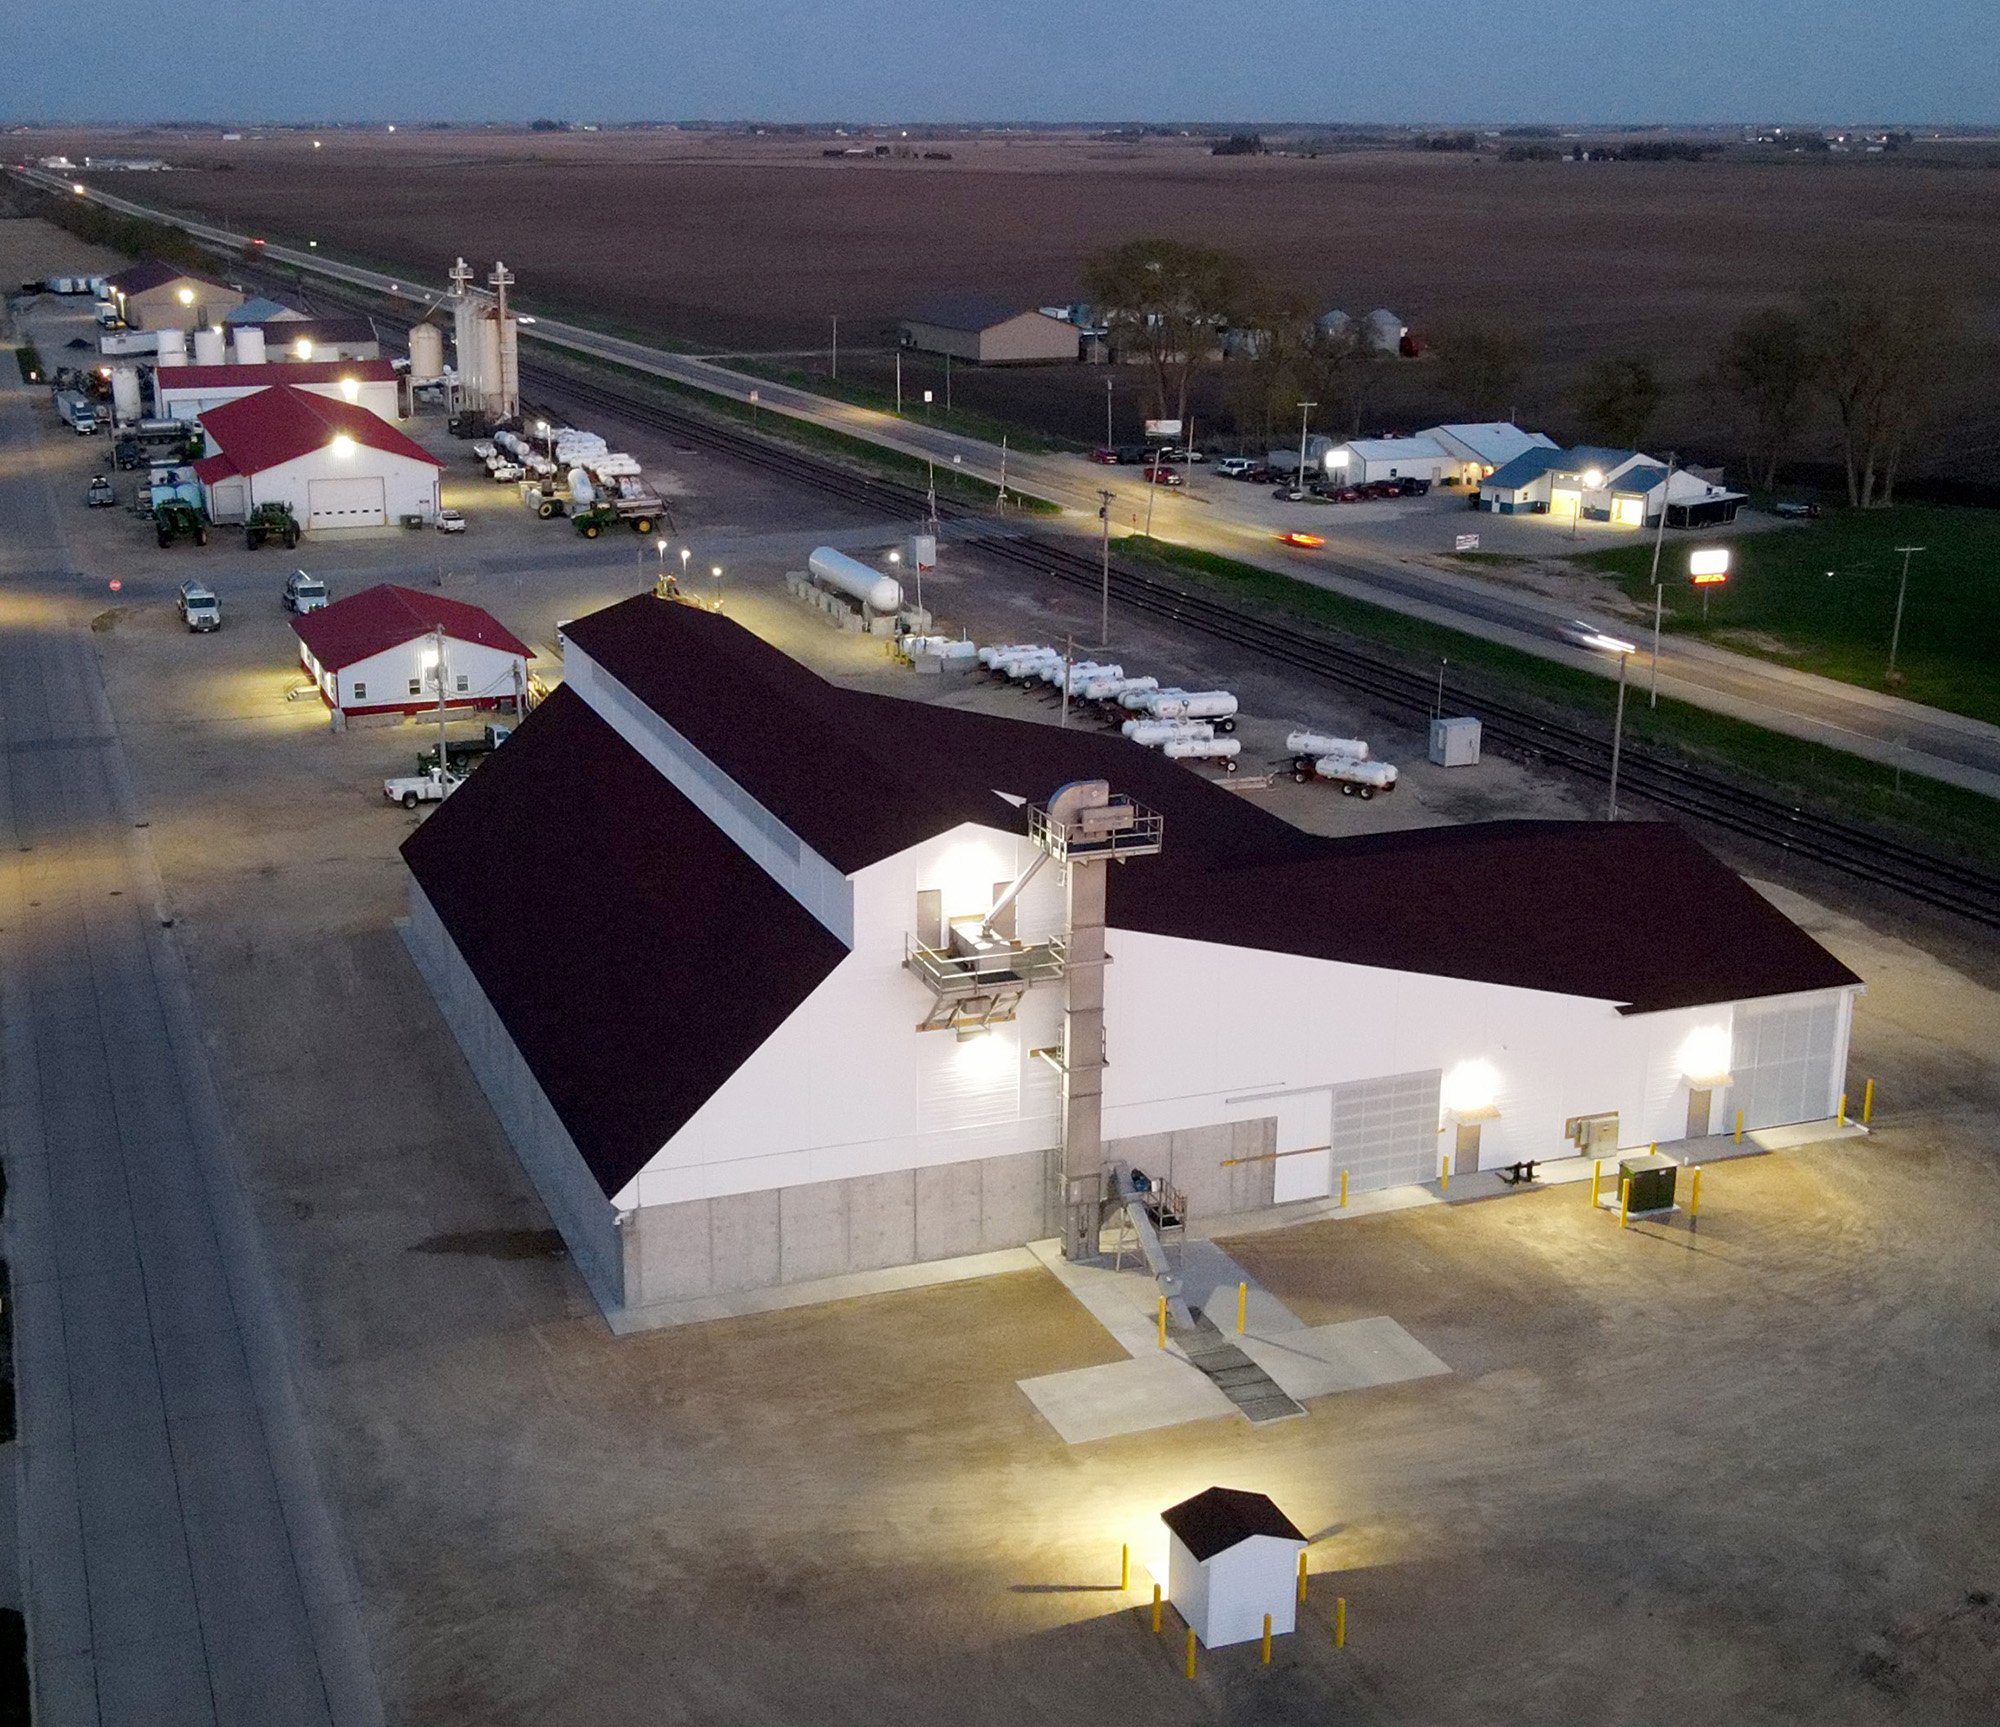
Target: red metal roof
212,468
281,424
259,377
379,618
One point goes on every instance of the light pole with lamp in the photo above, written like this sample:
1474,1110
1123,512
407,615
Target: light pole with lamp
1624,650
686,553
660,580
1108,444
1659,593
548,439
1305,417
715,570
1592,478
1104,498
1902,588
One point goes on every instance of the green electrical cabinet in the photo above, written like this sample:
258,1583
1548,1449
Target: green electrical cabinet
1652,1179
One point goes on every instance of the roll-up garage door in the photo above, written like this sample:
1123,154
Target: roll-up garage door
1385,1131
1781,1061
226,501
355,503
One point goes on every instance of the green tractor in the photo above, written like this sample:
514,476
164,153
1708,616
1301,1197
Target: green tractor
271,522
593,519
177,519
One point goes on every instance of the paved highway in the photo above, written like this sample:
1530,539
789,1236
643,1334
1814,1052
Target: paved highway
1880,727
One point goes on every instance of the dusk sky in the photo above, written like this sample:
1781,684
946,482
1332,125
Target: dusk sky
1922,61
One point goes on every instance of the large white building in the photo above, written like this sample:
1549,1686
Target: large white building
1456,454
188,392
1621,488
332,461
732,1001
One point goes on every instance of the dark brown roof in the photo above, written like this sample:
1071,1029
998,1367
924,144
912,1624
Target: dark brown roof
1214,1521
151,273
577,882
607,921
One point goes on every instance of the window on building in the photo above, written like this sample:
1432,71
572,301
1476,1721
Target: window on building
360,692
464,683
416,686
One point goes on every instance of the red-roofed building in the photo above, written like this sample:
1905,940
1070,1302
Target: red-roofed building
188,392
336,464
375,652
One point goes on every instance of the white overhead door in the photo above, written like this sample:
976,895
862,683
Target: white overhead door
1782,1061
226,501
1385,1131
355,503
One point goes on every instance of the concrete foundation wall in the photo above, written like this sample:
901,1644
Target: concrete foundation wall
576,1203
828,1228
1200,1161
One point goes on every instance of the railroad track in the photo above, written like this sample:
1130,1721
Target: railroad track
1647,774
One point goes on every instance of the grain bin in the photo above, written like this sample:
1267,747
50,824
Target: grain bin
250,348
173,348
426,354
209,347
125,409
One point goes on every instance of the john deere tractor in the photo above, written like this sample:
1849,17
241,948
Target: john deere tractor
177,519
271,522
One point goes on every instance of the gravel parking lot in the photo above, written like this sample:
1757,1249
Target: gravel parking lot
1743,1474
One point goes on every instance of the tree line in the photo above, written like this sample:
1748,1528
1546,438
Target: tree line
1862,352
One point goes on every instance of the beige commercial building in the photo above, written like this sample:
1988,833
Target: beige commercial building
988,332
155,296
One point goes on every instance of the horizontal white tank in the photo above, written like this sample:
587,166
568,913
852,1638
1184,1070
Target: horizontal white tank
1192,705
250,348
1202,749
1080,673
581,491
1378,776
879,593
1024,667
1141,699
994,652
1319,744
1153,733
1115,689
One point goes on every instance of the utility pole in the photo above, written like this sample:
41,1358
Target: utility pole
1107,414
1001,500
1104,591
1902,588
1618,735
836,347
899,383
444,759
947,383
1305,415
1659,593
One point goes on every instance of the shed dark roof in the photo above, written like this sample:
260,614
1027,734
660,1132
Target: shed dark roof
965,312
600,928
1214,1521
1635,914
150,274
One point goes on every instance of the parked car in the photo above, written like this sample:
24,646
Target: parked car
127,454
1381,489
199,609
1292,494
507,473
1133,454
1159,474
1413,488
1108,457
101,494
1793,512
1180,453
1349,495
450,522
1235,468
409,790
304,593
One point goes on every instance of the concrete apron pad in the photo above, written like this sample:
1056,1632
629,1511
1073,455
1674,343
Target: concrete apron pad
1162,1388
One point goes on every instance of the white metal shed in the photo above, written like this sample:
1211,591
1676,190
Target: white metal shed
1232,1557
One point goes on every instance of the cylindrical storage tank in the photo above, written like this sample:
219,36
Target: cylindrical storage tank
250,349
510,366
1377,776
1202,749
1153,733
173,348
879,593
1192,705
426,354
1146,696
581,491
1318,744
125,394
489,362
209,347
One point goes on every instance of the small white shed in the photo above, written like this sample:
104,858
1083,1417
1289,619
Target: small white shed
1232,1557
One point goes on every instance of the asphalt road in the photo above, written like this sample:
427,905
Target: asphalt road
1879,727
180,1563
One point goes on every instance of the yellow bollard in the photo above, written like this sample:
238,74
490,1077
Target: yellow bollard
1163,1322
1843,1109
1653,1149
1867,1103
1267,1640
1125,1565
1302,1579
1156,1610
1739,1127
1694,1197
1624,1201
1596,1176
1190,1652
1242,1308
1340,1622
1343,1187
1444,1175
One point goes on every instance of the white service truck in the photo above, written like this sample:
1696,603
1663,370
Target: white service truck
78,412
409,790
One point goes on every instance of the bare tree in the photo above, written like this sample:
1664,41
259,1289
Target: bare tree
1167,301
1767,366
1273,332
1880,340
1339,370
1618,399
1480,366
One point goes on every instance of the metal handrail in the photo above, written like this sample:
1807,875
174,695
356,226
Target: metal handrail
950,973
1141,836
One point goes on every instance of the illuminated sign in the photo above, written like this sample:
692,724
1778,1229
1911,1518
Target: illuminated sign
1709,567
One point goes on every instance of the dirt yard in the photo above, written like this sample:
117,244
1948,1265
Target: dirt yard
732,242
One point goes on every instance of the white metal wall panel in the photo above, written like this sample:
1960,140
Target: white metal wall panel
355,503
1784,1059
1385,1131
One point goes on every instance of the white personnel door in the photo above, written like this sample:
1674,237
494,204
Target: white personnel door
355,503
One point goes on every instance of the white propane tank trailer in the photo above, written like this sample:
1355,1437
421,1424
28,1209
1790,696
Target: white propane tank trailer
1305,748
1352,776
1153,733
1223,750
1216,705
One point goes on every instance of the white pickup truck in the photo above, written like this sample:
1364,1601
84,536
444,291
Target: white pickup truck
409,790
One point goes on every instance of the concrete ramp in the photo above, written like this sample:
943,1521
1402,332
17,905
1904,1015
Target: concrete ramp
1235,1375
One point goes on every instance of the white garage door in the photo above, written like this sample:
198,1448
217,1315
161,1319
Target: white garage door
1782,1059
355,503
227,501
1385,1131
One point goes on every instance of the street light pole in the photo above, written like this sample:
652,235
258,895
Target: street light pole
1104,591
899,383
1305,412
1659,593
836,347
1618,734
1902,588
1107,414
715,570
